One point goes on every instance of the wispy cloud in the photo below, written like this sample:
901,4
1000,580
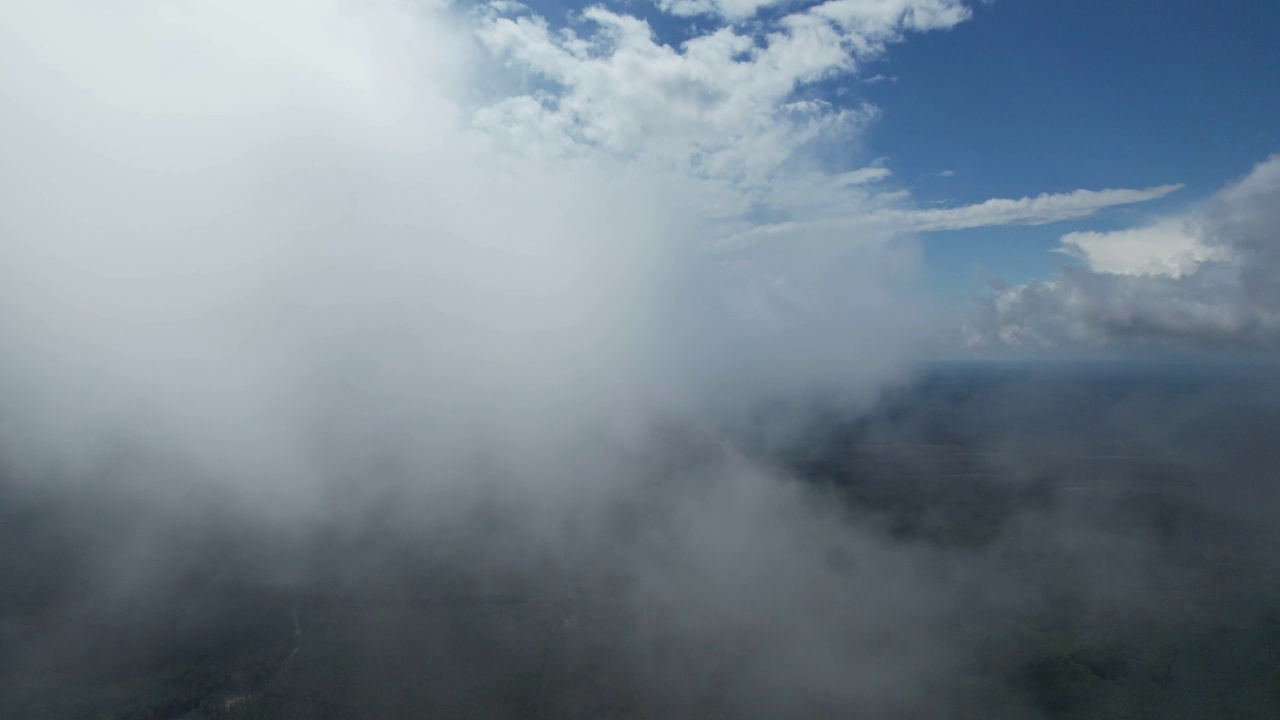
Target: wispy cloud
1040,210
886,213
869,17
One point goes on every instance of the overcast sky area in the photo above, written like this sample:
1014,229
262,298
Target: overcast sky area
317,261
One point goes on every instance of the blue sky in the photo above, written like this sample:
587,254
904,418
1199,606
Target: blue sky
1042,96
1111,163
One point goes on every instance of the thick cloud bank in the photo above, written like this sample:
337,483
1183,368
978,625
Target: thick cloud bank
1206,279
436,274
257,235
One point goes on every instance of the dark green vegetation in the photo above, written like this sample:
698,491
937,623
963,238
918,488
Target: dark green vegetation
1158,581
1120,532
78,639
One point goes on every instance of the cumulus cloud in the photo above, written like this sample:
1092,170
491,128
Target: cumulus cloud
722,109
720,106
1206,279
1169,248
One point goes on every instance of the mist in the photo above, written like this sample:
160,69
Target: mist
316,314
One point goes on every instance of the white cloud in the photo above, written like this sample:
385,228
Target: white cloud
1210,279
720,109
227,193
863,176
729,9
888,212
1040,210
886,18
721,103
863,19
1170,248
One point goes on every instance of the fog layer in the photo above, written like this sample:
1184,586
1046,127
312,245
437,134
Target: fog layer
309,298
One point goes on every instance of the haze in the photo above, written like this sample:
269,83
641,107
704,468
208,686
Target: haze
405,359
